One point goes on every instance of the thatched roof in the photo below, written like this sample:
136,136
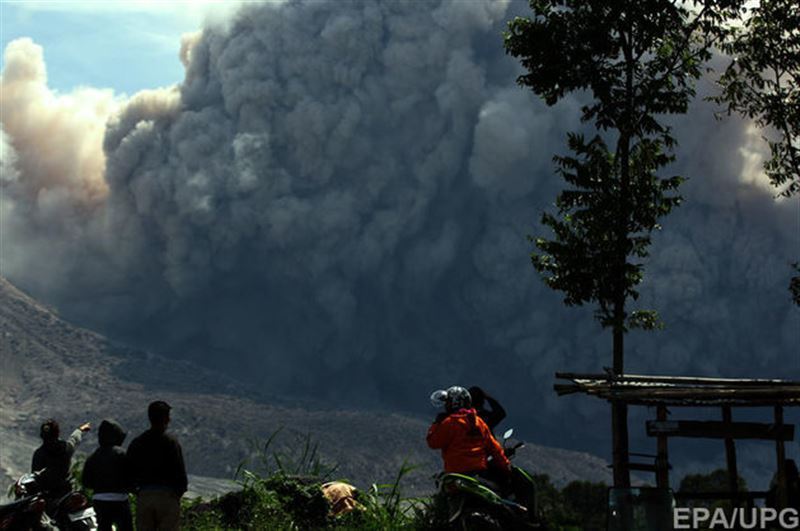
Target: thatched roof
690,391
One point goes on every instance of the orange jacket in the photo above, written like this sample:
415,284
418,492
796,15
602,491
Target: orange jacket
466,442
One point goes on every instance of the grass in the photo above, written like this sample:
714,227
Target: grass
280,490
288,502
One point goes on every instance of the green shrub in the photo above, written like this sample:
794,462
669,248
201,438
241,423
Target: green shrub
281,490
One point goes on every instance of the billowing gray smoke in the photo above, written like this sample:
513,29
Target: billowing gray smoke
335,202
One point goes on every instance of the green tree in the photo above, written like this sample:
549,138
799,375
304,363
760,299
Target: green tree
716,481
637,61
762,83
587,503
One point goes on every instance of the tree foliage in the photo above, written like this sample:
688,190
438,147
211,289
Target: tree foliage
638,60
762,82
580,261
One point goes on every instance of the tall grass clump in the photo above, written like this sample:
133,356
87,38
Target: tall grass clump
383,506
281,490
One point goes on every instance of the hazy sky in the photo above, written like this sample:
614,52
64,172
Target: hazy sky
123,45
335,199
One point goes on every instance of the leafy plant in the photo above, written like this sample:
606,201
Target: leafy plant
299,459
283,491
386,508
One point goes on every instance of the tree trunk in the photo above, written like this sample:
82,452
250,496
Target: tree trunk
619,422
619,411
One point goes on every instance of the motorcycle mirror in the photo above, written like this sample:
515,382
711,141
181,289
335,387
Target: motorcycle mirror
509,432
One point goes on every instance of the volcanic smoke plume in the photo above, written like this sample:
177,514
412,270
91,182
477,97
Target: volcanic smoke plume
335,202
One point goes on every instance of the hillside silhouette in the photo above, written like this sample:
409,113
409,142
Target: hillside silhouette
51,368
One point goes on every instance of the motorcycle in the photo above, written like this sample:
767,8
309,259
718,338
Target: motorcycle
476,503
24,513
70,512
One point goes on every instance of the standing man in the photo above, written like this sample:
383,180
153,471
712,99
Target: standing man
158,473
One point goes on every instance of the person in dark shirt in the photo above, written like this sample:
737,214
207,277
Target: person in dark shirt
158,473
493,416
54,458
107,473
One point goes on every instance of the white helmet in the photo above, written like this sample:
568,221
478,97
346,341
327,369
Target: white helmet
457,398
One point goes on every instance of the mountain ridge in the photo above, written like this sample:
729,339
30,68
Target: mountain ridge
51,368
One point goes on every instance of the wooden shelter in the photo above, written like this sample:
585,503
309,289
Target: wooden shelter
663,392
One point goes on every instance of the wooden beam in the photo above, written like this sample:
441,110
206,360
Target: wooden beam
566,389
699,396
619,441
730,451
721,430
777,394
643,467
701,402
781,451
662,458
684,380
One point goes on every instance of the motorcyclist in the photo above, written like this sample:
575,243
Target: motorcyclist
54,458
464,438
467,442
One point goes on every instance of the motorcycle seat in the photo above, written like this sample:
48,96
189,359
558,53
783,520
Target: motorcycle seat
489,484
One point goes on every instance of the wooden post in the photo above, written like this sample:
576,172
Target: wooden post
662,458
781,451
619,436
730,455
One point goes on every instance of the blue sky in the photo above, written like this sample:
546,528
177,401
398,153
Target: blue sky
124,45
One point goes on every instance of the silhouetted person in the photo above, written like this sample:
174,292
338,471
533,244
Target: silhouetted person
55,457
158,473
491,416
107,473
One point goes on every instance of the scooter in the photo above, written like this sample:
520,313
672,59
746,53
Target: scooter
479,504
70,512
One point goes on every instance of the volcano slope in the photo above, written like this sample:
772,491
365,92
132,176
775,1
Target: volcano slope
50,368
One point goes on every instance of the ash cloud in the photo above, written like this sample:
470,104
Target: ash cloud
335,202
